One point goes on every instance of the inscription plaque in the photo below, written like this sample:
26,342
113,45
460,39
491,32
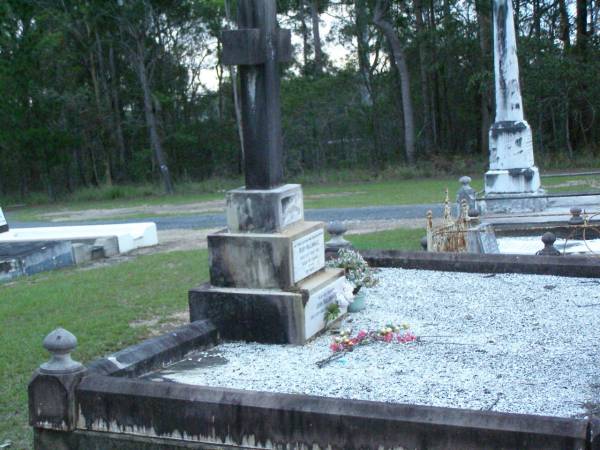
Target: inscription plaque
308,254
314,311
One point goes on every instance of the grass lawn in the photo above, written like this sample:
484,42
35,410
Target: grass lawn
401,239
98,305
572,184
339,194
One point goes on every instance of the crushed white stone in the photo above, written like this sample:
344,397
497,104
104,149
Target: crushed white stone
504,342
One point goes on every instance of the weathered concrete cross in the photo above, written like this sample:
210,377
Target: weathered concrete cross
258,46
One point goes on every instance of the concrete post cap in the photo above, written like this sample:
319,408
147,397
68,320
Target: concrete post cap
336,228
60,343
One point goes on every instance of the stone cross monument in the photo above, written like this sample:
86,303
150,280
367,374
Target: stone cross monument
257,47
512,170
268,281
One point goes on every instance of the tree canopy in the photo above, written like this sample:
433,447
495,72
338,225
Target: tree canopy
99,92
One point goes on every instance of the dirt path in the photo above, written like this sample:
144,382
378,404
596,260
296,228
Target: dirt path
151,210
213,206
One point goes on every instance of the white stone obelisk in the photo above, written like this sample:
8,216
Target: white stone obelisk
512,170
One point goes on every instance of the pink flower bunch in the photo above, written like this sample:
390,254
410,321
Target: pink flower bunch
389,334
345,342
404,338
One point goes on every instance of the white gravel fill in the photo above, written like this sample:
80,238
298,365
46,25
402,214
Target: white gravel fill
505,342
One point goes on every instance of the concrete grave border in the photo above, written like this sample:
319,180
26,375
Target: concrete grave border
116,410
566,266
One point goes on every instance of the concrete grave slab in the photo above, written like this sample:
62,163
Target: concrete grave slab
130,236
3,223
28,258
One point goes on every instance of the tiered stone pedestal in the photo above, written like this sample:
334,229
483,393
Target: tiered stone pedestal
268,281
513,182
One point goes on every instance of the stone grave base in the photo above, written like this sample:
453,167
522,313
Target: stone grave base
273,316
514,203
266,260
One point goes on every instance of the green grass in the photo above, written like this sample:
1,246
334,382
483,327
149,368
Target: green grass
401,239
339,191
96,305
572,184
395,192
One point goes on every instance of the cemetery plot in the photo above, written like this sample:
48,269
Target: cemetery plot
501,342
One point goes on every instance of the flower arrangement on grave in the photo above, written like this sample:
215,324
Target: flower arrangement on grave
345,342
388,334
358,272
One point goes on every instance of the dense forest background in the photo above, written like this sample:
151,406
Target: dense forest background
102,92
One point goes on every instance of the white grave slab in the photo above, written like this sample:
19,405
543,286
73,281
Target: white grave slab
129,235
529,245
3,222
314,311
308,254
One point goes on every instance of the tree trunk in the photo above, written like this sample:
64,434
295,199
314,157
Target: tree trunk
314,14
485,95
402,68
536,26
434,91
236,101
581,23
151,120
565,27
362,39
116,107
304,32
423,61
106,107
99,111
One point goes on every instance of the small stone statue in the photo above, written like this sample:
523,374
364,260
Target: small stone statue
468,194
